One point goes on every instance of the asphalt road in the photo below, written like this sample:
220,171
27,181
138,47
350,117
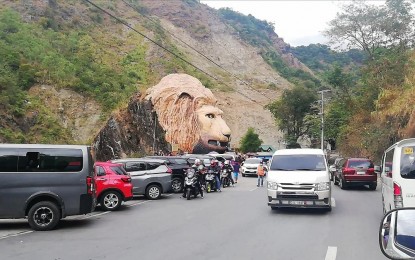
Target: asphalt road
234,224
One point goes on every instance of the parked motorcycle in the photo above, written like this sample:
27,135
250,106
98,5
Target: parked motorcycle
225,178
190,183
210,181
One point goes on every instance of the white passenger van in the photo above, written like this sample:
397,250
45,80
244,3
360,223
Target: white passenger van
398,175
299,178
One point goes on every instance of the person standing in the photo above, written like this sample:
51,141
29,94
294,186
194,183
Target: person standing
236,167
260,171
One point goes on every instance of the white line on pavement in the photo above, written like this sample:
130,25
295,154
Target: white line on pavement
331,253
17,234
254,189
138,203
333,202
95,215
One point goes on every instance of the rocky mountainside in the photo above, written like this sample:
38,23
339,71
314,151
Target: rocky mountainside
81,104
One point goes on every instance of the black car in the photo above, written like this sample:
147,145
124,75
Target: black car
178,165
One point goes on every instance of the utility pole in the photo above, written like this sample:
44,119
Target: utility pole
322,115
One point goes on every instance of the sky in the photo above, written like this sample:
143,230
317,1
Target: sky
297,22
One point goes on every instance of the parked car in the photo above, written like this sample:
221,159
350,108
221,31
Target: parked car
249,166
46,183
178,165
398,175
204,158
333,164
150,177
299,178
355,172
113,185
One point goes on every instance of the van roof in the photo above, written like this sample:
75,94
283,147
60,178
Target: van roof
299,151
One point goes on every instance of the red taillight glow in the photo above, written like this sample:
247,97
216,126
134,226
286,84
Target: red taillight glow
370,171
349,171
126,179
90,185
397,191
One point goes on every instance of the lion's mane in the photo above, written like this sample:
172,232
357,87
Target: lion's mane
176,99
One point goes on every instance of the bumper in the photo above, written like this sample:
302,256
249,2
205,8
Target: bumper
317,199
360,179
249,172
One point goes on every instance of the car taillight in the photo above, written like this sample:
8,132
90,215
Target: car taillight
370,171
126,179
90,185
169,170
397,195
349,171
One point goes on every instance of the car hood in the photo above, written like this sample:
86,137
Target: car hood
298,176
250,165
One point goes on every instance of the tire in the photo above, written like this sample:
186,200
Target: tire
373,186
177,185
153,192
342,184
188,193
111,200
274,208
44,215
335,180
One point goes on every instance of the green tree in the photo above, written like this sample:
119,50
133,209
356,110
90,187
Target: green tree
250,142
290,110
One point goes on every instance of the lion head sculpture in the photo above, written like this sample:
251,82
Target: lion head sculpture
188,113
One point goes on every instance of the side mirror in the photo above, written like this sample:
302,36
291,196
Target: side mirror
332,168
397,234
377,169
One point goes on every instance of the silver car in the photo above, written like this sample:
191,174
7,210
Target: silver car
150,177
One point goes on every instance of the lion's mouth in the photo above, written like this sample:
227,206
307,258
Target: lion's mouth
218,143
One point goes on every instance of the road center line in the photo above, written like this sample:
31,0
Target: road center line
331,253
17,234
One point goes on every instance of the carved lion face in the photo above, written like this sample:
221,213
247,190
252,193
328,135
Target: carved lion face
188,113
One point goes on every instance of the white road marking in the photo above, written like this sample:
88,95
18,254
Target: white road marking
333,202
95,215
331,253
17,234
137,203
254,189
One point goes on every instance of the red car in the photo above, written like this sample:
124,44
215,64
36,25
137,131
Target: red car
113,185
354,172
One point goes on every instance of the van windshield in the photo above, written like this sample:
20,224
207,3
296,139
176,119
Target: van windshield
408,162
298,162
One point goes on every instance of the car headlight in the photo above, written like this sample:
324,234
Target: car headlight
272,185
323,186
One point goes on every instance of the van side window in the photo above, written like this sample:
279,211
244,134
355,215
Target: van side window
8,160
408,162
152,166
387,163
100,171
50,160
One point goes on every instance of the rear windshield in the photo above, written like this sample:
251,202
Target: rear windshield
253,161
360,164
303,162
179,161
408,162
118,170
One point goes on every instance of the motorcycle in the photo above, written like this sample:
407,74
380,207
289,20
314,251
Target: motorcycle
190,182
210,181
225,178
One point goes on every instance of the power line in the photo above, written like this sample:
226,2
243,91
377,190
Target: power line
165,49
193,48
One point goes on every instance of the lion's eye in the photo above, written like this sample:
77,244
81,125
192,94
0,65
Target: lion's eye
210,115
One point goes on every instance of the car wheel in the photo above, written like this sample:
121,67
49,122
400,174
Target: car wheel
44,215
153,192
342,184
111,200
373,186
188,194
176,185
335,180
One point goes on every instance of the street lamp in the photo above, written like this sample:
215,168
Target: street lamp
322,115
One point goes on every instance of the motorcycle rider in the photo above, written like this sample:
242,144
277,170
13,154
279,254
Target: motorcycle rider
199,169
228,167
216,169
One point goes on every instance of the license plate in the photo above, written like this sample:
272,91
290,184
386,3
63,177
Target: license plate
297,202
360,172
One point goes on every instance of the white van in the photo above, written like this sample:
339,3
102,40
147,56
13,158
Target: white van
299,178
398,175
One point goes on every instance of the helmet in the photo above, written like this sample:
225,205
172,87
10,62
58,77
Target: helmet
197,161
226,162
